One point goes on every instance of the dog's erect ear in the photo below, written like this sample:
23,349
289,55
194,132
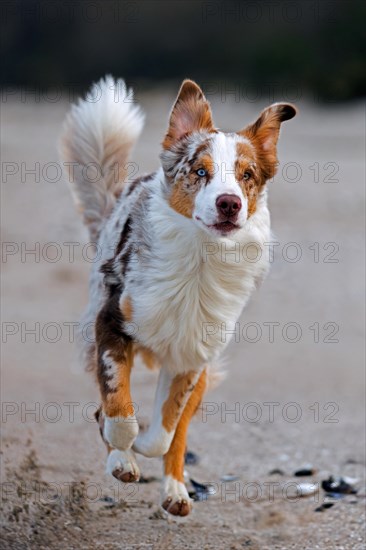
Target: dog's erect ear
264,132
191,112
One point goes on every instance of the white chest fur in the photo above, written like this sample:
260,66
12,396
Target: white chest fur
189,289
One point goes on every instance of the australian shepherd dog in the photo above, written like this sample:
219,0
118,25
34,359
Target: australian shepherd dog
167,284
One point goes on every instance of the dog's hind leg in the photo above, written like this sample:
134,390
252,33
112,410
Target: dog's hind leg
175,498
115,356
172,394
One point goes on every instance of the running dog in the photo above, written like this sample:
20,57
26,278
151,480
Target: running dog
169,283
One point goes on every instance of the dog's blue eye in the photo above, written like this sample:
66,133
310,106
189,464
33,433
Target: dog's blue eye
201,173
247,175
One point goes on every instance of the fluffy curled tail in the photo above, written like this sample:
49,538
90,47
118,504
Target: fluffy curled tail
98,135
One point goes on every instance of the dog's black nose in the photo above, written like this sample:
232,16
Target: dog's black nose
228,205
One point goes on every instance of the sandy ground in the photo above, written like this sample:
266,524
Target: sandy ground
295,398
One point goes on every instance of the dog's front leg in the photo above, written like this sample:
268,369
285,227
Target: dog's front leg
172,394
175,498
115,360
120,464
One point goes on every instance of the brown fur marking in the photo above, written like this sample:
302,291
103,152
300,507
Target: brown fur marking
174,458
125,233
127,309
191,112
246,162
119,403
185,188
171,410
110,338
263,134
181,201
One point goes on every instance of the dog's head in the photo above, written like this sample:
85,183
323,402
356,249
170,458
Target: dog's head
213,177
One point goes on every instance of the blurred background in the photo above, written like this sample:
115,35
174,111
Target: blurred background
318,46
310,369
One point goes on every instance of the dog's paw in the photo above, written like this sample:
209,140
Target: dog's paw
120,432
175,498
123,466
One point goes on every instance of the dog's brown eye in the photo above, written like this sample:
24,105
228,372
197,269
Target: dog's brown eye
247,176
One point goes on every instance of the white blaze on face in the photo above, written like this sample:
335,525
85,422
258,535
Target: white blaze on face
224,156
